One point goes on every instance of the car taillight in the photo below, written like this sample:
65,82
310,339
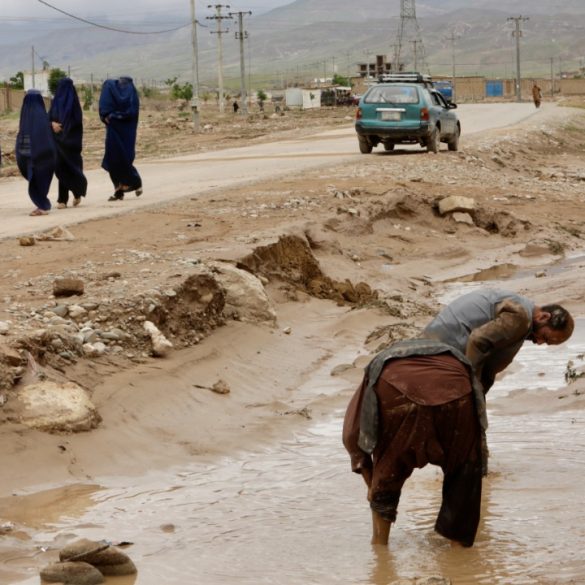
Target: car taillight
424,114
358,114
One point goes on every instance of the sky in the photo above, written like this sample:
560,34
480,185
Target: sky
115,9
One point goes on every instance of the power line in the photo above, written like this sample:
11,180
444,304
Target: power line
130,32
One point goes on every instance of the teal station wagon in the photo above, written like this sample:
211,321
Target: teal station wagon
405,108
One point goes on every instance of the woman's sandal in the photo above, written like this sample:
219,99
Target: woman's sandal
37,211
139,192
117,196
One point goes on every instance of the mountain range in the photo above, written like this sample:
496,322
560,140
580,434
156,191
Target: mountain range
313,38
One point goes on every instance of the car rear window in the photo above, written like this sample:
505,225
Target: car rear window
392,94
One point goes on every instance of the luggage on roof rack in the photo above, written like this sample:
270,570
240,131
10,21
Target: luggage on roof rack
406,77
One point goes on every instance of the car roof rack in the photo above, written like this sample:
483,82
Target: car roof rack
406,77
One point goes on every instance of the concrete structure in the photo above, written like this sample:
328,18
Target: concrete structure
379,67
303,98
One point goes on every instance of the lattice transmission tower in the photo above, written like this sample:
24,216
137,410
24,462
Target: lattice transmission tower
410,50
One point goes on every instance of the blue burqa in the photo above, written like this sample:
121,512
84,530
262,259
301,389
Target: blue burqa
119,107
35,149
66,110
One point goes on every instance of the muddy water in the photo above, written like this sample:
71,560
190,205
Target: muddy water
292,512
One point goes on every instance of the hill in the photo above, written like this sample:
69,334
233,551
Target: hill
312,38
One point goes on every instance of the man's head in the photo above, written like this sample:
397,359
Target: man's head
551,324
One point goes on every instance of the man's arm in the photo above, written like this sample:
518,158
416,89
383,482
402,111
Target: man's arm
494,341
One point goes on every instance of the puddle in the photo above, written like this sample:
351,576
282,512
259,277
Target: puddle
508,271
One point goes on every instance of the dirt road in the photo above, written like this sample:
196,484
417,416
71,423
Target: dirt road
188,176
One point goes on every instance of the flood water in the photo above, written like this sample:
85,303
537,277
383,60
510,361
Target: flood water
293,514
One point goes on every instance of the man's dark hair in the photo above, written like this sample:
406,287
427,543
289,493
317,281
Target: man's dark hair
560,318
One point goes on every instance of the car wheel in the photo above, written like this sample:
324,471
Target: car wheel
434,141
365,145
454,142
388,146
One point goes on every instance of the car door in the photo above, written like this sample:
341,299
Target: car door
446,115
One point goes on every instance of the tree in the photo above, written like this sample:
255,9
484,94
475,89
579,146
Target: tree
17,81
55,75
340,80
182,92
87,96
261,96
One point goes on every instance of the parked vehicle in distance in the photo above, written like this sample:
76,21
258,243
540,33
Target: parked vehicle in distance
445,88
405,108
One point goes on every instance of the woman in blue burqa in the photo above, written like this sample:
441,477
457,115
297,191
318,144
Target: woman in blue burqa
67,124
119,107
35,150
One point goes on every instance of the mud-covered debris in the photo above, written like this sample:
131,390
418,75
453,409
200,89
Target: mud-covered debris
456,203
27,241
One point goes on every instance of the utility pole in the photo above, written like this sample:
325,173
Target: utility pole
453,38
33,67
219,32
518,34
194,71
552,77
241,35
415,44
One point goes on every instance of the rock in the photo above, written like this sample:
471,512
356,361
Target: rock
459,217
4,327
221,387
93,552
60,310
456,203
127,568
9,356
94,349
287,330
245,297
76,312
56,234
160,344
56,407
27,241
67,287
75,573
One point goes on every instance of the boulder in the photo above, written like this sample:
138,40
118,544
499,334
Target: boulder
72,574
56,407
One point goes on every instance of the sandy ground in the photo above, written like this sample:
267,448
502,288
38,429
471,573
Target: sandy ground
374,221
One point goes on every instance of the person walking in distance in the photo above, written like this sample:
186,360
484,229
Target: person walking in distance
536,95
118,109
35,151
67,125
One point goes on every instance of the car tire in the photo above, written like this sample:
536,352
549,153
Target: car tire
453,144
434,140
388,146
365,145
